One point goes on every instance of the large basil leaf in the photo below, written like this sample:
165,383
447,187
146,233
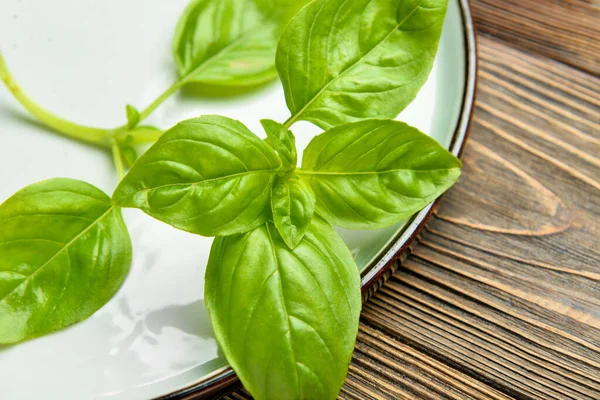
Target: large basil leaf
286,319
373,173
345,60
293,206
64,252
209,175
281,140
231,42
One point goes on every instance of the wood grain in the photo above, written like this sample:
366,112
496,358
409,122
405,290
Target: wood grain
501,297
564,30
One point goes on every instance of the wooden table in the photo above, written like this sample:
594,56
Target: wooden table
501,297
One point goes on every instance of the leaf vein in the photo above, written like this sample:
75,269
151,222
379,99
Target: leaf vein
64,248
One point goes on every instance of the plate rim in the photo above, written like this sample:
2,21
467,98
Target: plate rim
377,272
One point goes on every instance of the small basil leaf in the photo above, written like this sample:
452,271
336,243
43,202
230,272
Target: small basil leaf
209,175
345,60
293,206
286,319
143,134
373,173
231,42
133,116
129,155
65,252
281,140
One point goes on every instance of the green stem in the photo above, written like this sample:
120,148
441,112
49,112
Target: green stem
178,84
118,159
148,136
160,99
290,121
87,134
96,136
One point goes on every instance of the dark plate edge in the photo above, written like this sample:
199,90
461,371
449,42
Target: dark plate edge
377,273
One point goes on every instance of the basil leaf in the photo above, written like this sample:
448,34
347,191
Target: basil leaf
286,319
373,173
231,42
64,252
142,134
129,154
345,60
281,140
133,116
293,206
209,175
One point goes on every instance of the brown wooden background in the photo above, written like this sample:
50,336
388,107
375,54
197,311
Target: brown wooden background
501,298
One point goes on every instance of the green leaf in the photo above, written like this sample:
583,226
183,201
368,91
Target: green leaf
231,42
345,60
64,252
286,320
133,116
209,175
283,142
142,134
293,206
129,155
373,173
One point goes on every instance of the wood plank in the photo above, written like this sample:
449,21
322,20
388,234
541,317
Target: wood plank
565,30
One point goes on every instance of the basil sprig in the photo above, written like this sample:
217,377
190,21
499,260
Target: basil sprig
283,292
281,287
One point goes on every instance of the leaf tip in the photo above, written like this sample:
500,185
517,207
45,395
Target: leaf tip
133,116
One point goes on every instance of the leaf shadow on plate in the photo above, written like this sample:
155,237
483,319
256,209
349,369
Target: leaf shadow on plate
190,318
224,93
143,341
6,347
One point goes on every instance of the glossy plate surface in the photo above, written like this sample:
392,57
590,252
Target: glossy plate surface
84,60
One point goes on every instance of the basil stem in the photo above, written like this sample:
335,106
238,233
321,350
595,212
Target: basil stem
160,99
118,159
88,134
96,136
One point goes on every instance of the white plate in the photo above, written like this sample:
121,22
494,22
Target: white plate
84,60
